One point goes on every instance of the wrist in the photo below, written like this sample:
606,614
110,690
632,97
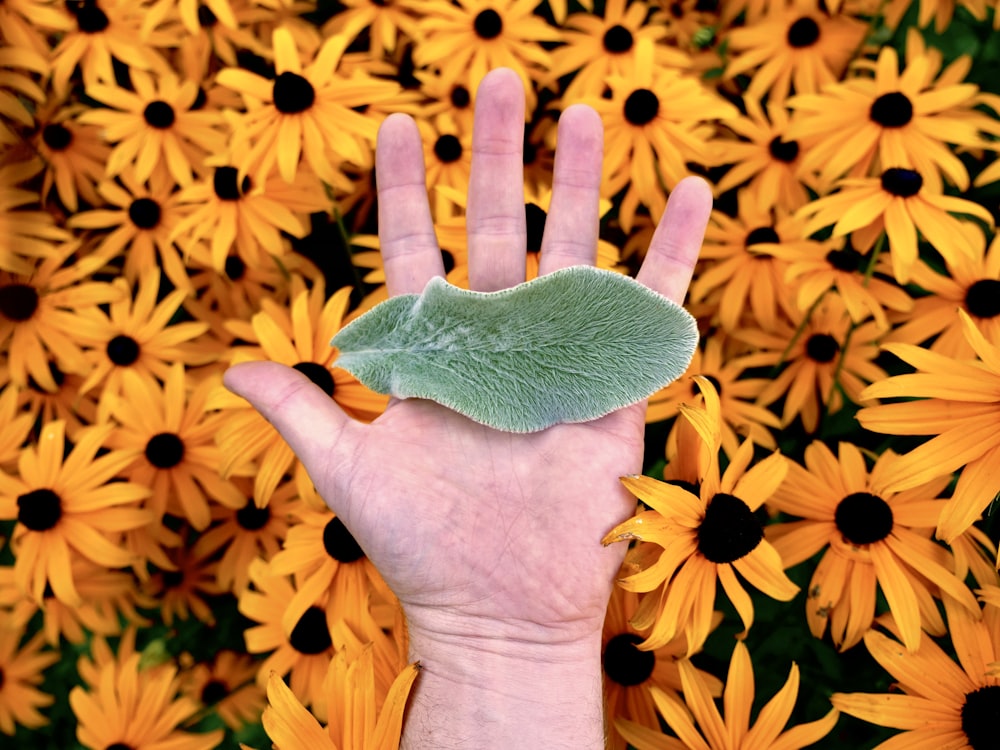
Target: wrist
492,691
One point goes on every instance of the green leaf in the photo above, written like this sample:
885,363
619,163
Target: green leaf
569,346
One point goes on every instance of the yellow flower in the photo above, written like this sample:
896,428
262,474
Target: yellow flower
704,540
734,731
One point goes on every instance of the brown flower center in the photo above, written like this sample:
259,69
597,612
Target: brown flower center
311,635
39,510
863,518
729,531
339,543
626,664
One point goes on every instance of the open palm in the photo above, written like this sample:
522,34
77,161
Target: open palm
477,531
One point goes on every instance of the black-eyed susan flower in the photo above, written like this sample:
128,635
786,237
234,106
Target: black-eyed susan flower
719,361
629,672
298,336
237,291
171,437
958,404
155,126
692,542
765,159
22,667
102,31
137,333
243,534
970,284
899,203
68,506
322,554
307,112
448,160
732,731
816,267
65,403
818,361
471,37
358,724
137,708
303,651
743,279
137,224
227,686
793,45
895,119
937,701
232,217
109,600
871,538
656,120
384,24
42,314
596,46
184,590
75,156
29,233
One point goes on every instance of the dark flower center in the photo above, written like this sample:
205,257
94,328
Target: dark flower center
159,115
311,635
89,18
846,259
293,93
983,298
206,18
165,450
123,350
892,110
535,217
318,374
172,579
448,148
803,33
617,39
626,664
213,692
641,106
488,24
224,184
784,151
39,510
979,717
460,98
729,531
18,302
863,518
449,261
904,183
761,234
822,347
235,268
119,746
144,213
339,544
252,518
57,136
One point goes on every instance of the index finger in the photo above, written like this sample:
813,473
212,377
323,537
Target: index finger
673,251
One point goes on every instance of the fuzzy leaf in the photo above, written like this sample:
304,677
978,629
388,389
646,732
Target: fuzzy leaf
569,346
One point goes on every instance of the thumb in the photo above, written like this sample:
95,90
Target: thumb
312,424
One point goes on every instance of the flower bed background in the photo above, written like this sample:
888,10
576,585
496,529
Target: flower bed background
188,185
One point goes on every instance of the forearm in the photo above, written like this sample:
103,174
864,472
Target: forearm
483,693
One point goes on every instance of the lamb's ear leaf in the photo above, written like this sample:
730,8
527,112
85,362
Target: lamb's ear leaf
569,346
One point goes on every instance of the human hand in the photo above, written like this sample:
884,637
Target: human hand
491,540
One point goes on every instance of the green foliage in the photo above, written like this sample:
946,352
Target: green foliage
570,346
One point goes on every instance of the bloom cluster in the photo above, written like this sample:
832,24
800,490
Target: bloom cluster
188,184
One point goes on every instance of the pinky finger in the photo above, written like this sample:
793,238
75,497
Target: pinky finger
673,251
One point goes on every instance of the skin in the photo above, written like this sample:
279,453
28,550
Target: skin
491,540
